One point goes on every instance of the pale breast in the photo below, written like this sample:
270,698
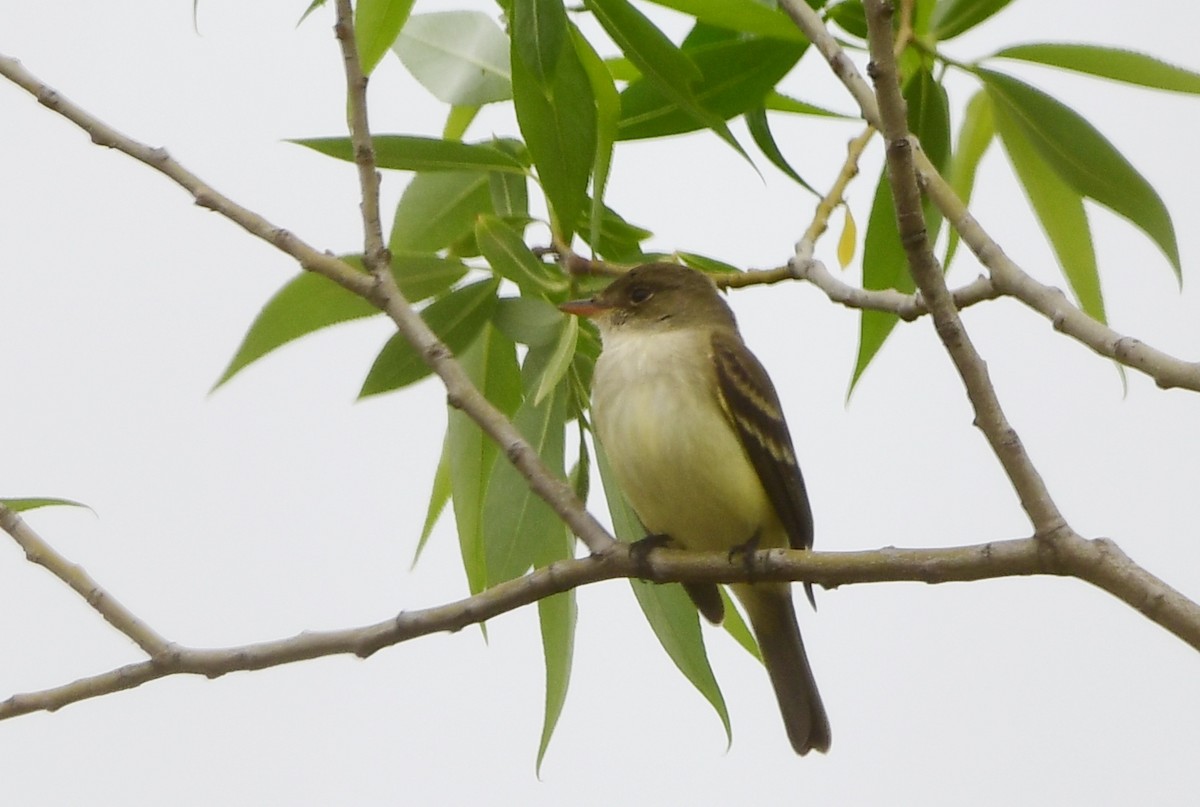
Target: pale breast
675,456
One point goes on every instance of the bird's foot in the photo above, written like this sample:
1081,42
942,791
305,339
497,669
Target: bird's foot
747,551
640,551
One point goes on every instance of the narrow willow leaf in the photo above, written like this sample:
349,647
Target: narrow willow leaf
1085,159
671,615
313,6
778,102
608,115
458,120
735,76
707,264
559,361
557,616
851,17
1116,64
539,33
736,626
661,63
885,266
954,17
377,23
618,239
1059,208
438,209
491,363
518,526
744,16
439,496
26,504
309,302
559,127
528,320
412,153
929,120
760,130
510,195
848,241
580,477
456,318
510,257
461,57
976,135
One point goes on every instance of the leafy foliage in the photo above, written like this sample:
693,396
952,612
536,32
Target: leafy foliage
458,236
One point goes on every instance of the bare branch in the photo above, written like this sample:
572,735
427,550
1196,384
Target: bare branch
1094,561
39,552
378,289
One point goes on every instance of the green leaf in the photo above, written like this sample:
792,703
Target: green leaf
608,114
1084,159
777,102
518,526
735,77
509,257
974,138
929,120
23,505
412,153
850,17
456,319
528,320
744,16
668,68
491,363
438,209
954,17
671,615
1116,64
1059,208
458,120
310,302
439,496
539,31
559,127
736,626
558,616
706,264
559,361
760,130
376,25
618,239
885,266
461,57
510,195
313,6
307,303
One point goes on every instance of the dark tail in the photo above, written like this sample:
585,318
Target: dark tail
769,606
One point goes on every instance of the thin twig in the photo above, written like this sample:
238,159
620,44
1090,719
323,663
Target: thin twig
460,392
40,552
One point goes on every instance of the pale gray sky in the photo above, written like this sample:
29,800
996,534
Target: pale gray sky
278,504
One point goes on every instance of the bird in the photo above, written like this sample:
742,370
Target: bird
695,435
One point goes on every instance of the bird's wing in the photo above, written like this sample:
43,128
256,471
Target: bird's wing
749,400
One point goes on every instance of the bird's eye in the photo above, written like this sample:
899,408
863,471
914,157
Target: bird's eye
639,294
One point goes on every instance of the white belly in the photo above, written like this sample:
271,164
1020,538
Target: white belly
679,462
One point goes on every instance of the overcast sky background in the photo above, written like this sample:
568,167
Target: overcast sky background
278,504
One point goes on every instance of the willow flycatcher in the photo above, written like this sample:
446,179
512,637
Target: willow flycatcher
695,435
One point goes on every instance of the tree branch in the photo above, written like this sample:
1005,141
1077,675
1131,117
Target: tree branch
1008,277
376,288
1098,561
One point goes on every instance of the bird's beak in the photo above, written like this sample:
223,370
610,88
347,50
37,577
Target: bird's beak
584,308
